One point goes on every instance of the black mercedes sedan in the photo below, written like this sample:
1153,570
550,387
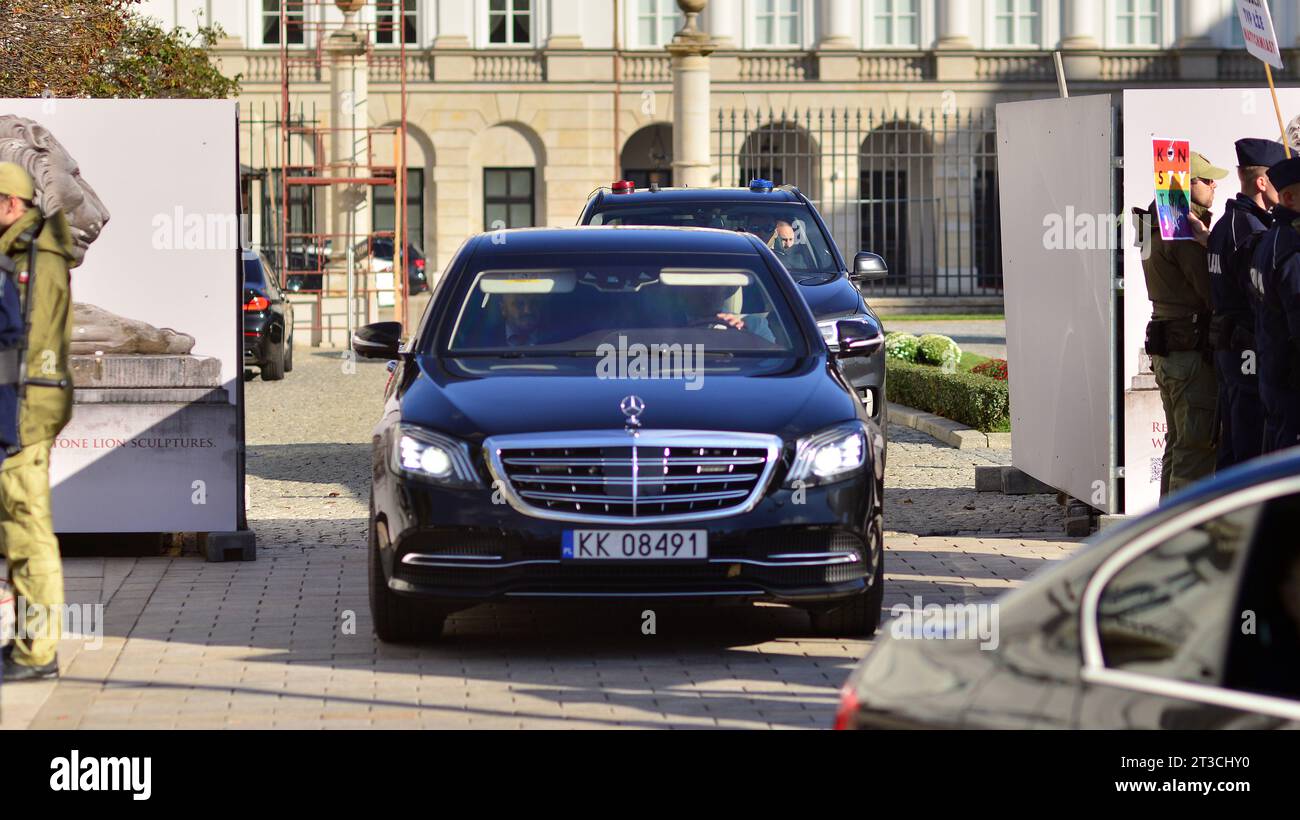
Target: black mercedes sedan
622,413
1185,618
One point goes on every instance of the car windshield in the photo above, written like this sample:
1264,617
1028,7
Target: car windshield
787,228
584,304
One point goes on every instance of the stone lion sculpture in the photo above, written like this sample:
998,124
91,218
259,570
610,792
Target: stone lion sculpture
60,188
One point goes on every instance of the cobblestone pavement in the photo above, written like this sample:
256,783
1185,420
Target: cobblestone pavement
286,641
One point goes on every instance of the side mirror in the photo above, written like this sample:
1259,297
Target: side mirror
859,337
869,267
378,341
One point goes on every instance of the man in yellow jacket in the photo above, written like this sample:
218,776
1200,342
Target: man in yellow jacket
26,526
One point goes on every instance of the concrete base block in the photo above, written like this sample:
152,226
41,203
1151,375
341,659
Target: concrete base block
220,547
988,479
1079,519
1016,482
1108,521
136,372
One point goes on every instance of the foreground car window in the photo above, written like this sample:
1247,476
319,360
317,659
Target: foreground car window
1170,612
578,303
789,230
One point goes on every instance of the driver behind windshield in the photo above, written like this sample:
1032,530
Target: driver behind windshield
790,247
712,306
523,322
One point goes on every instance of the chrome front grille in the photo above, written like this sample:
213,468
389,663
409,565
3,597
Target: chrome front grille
615,477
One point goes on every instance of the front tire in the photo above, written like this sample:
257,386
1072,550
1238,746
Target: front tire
398,619
860,616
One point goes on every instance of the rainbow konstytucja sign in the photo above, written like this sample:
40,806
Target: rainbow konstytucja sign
1173,174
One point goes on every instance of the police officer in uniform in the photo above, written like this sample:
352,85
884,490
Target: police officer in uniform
1178,284
1275,288
1232,330
45,405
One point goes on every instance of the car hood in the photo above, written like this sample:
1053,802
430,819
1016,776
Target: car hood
480,397
830,298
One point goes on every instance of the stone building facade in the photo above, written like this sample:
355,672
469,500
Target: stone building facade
518,109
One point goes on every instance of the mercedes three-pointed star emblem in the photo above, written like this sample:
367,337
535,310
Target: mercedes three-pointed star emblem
633,407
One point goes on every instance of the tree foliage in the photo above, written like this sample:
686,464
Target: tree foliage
103,48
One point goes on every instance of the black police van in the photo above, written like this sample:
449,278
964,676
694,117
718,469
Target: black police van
788,223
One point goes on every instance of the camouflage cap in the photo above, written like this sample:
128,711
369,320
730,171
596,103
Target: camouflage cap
1202,168
15,181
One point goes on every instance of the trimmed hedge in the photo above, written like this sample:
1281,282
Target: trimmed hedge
970,399
901,346
939,351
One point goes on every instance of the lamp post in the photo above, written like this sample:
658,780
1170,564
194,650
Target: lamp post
690,50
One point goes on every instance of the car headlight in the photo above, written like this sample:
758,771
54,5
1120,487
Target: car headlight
829,455
430,456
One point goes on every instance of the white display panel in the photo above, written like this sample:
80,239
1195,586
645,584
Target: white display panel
1055,177
154,442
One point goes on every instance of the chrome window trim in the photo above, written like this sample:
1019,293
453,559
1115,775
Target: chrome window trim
493,447
1094,666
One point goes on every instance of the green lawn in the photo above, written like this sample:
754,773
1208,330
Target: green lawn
944,317
970,361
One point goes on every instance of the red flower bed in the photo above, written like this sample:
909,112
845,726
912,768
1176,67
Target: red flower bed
994,369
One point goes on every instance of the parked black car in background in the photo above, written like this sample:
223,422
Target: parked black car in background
307,265
268,320
1185,618
517,457
790,224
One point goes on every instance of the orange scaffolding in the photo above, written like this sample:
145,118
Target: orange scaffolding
307,28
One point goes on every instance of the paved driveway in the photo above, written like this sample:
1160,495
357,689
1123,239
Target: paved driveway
286,641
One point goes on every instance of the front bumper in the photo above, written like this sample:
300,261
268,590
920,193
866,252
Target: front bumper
458,545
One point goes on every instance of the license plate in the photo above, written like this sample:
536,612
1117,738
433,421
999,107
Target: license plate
635,545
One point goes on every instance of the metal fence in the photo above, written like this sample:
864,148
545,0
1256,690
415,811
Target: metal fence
918,187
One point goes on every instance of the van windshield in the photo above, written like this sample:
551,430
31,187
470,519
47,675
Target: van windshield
788,229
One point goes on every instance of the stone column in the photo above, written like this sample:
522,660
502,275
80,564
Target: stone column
1196,22
1197,58
954,36
1079,25
565,60
724,23
954,24
690,50
1079,33
836,25
565,24
837,57
350,217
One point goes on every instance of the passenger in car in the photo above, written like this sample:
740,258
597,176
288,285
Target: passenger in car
718,307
